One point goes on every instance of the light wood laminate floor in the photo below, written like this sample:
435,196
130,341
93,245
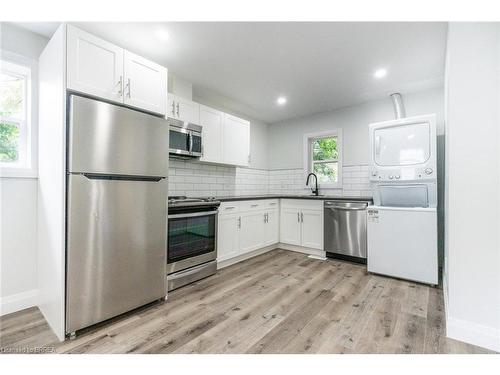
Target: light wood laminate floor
278,302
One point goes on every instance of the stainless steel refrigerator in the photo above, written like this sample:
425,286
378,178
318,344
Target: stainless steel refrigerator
117,169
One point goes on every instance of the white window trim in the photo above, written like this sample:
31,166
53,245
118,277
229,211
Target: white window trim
29,138
307,162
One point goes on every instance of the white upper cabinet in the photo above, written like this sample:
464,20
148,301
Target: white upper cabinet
145,83
104,70
183,109
95,66
236,141
212,122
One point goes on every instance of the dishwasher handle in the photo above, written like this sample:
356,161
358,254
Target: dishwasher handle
346,208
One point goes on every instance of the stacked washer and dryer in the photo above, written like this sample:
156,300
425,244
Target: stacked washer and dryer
402,223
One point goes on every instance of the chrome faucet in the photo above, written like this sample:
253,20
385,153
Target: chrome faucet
314,191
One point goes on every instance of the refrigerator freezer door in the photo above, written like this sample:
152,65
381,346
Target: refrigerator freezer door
116,247
402,242
109,139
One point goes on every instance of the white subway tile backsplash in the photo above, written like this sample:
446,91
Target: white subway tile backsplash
193,178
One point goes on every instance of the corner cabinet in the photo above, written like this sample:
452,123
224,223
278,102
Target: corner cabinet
101,69
246,226
212,122
235,141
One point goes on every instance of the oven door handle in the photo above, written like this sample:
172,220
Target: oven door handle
193,214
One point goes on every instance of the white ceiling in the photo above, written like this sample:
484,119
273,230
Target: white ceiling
317,66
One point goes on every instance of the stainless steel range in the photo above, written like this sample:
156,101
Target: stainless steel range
192,239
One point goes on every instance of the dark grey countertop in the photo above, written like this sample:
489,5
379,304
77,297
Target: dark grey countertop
290,196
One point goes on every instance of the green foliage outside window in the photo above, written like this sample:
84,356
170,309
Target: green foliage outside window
324,159
11,109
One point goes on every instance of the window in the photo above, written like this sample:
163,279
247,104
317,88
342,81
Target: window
323,152
16,151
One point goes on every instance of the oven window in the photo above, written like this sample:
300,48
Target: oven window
178,141
190,236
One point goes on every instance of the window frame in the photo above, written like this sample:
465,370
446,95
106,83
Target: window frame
26,166
308,157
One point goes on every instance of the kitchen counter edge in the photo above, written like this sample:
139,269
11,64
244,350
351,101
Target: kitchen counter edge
324,197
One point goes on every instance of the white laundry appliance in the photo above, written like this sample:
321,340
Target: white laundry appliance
402,223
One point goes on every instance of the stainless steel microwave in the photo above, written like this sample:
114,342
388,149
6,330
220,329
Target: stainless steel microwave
185,138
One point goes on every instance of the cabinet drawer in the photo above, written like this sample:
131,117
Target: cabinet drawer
227,208
303,203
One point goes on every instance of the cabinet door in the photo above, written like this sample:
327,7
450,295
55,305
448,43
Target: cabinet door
251,231
272,228
186,110
171,106
235,141
211,120
94,66
145,85
290,228
227,237
312,228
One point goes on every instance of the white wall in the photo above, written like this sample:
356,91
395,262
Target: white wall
286,137
18,243
18,205
472,263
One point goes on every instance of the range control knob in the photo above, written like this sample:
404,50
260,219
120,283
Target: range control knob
391,177
428,170
398,177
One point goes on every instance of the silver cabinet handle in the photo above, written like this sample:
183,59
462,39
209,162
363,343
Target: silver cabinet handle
272,204
120,83
177,109
229,208
265,218
298,217
239,222
301,217
173,108
128,85
254,205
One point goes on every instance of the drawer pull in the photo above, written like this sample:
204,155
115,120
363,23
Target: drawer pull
254,205
229,208
272,204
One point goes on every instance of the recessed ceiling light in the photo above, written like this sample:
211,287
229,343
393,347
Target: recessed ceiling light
162,34
281,100
380,73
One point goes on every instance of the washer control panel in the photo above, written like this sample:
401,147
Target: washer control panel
402,174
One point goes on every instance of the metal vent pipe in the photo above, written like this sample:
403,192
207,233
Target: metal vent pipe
399,107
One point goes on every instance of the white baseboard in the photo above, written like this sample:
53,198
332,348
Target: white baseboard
17,302
305,250
240,258
473,333
318,254
469,332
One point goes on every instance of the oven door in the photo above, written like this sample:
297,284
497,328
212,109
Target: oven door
191,239
179,141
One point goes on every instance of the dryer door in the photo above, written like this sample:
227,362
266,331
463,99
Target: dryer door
402,145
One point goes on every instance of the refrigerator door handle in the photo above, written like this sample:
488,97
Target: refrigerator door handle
98,176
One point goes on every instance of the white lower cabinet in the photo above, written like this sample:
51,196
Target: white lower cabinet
312,228
228,236
272,227
302,223
244,227
290,226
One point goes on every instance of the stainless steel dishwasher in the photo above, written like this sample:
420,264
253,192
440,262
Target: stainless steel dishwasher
345,230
